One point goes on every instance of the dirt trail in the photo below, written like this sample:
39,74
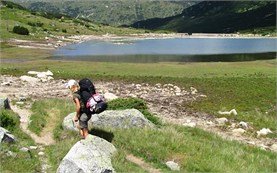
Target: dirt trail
46,137
140,162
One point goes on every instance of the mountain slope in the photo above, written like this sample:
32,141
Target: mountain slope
217,17
41,24
111,12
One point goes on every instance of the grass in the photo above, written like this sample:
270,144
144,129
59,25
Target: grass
249,87
195,150
47,113
22,161
51,27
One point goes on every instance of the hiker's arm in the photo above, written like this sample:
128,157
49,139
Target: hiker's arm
78,107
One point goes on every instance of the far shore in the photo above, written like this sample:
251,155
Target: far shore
55,42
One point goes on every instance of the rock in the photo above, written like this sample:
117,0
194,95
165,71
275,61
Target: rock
10,154
193,90
238,131
91,155
6,84
24,149
33,72
233,111
128,118
221,121
210,123
202,95
4,103
41,75
6,136
273,147
243,125
20,103
173,166
33,147
190,124
29,79
110,96
41,153
263,132
68,122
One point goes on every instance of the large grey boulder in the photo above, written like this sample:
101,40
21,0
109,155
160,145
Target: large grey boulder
92,155
128,118
4,103
6,136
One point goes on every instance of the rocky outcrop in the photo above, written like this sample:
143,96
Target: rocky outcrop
4,103
6,136
128,118
92,155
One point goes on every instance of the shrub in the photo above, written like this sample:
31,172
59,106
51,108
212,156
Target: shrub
129,103
20,30
64,30
35,24
9,120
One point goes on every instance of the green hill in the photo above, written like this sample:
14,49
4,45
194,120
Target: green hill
217,17
111,12
43,24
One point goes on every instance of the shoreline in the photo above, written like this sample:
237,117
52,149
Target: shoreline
53,43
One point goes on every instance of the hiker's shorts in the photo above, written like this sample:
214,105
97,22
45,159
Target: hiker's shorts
83,121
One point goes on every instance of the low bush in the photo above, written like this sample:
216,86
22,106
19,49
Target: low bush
129,103
9,120
20,30
35,24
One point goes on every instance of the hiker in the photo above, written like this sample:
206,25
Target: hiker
82,113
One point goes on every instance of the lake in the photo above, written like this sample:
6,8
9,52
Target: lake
170,50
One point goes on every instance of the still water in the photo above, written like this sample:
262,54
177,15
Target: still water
171,50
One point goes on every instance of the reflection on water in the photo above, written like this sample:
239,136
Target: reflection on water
171,58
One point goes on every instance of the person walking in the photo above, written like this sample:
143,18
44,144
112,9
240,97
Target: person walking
82,113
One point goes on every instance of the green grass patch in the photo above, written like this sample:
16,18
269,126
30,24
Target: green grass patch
249,87
47,113
21,161
130,103
194,149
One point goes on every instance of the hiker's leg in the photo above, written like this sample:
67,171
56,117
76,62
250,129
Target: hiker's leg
83,121
85,132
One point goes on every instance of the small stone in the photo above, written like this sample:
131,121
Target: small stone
20,103
210,123
10,154
190,124
243,125
202,95
41,153
33,147
251,143
263,132
193,90
238,131
273,147
110,96
221,121
5,84
173,166
24,149
233,111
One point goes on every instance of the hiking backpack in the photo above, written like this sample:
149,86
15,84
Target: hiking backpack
92,100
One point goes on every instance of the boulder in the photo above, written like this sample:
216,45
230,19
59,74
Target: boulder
128,118
92,155
6,136
68,122
110,96
4,103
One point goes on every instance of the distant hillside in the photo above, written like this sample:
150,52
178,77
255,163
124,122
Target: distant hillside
111,12
217,17
42,24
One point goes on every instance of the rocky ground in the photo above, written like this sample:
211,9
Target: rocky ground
165,101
